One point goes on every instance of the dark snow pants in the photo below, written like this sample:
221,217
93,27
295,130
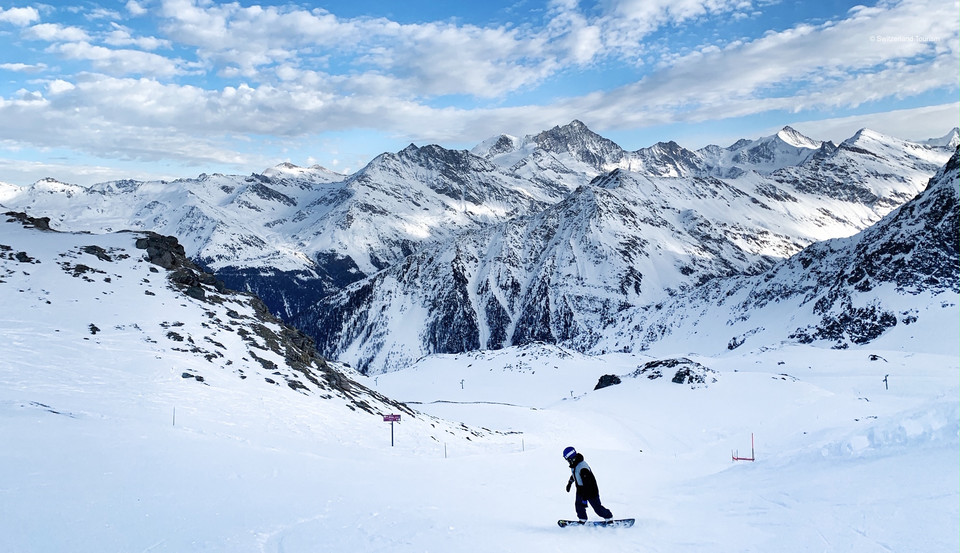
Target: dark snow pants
594,502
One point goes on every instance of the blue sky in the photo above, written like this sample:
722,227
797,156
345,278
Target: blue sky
96,91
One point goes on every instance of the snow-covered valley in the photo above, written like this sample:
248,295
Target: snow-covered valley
136,417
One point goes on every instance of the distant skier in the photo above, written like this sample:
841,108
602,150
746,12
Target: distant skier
587,490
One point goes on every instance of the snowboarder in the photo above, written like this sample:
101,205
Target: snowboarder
587,490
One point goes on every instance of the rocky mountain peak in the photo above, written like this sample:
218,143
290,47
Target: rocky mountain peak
581,143
574,132
314,173
950,140
794,138
863,135
495,146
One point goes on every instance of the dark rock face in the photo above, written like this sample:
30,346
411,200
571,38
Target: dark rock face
23,257
348,316
39,223
164,251
846,284
167,252
685,371
97,252
289,293
606,381
456,329
916,249
579,141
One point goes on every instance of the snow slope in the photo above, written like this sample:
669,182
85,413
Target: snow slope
140,403
113,443
843,464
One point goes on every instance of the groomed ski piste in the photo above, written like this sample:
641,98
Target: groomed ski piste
107,447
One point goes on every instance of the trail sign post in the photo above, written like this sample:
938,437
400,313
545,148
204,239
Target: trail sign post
391,419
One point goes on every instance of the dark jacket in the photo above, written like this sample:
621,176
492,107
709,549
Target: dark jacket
583,477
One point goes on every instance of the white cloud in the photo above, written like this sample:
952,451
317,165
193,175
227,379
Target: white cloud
24,173
132,119
422,60
438,59
58,86
135,8
121,36
19,16
119,62
24,67
101,13
622,25
804,67
54,32
229,35
574,37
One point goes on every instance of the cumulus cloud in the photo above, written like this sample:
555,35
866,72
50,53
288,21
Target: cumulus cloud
119,61
58,86
19,16
423,59
122,36
135,8
54,32
248,38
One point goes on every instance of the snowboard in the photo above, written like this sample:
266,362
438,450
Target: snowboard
616,523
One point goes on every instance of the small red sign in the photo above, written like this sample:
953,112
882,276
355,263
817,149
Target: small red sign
391,418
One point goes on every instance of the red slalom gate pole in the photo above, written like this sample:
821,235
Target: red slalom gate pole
753,454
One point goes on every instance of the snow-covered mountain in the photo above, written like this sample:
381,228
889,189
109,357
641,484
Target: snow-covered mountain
544,237
295,234
859,169
841,292
765,155
418,196
576,148
950,140
625,240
